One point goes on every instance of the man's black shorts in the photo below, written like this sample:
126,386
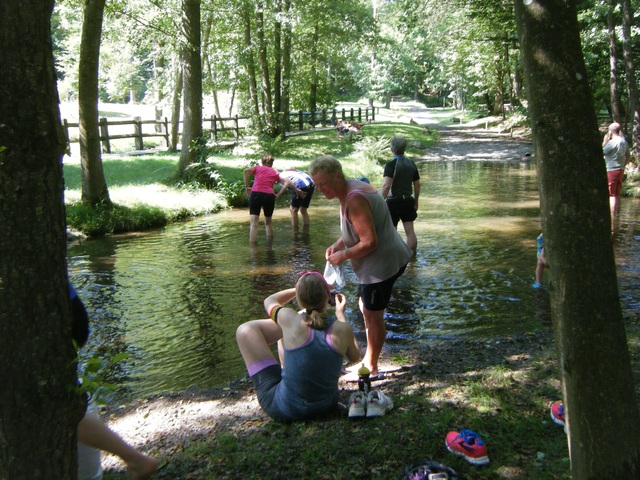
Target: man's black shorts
297,202
402,209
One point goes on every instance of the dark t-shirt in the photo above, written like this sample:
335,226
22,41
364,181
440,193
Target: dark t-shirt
404,172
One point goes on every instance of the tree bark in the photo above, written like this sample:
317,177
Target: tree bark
264,66
192,78
313,88
38,413
277,70
94,185
175,108
207,60
616,105
586,313
632,85
286,67
249,64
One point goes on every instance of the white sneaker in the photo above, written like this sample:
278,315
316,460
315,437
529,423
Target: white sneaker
357,405
378,404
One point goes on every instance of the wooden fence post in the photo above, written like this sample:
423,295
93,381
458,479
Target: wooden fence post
65,125
352,118
166,131
237,131
343,115
214,127
359,114
373,113
137,128
324,117
300,120
104,135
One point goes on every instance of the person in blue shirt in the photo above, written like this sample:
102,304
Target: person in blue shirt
301,193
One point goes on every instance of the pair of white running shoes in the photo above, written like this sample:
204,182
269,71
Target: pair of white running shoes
373,404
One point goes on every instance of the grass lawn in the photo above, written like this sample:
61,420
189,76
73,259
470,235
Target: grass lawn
145,196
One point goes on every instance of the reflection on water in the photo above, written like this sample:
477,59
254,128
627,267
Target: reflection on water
174,298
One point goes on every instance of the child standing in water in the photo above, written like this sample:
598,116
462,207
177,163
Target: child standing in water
541,263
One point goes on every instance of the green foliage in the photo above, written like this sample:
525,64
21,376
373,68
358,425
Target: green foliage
373,149
200,150
94,376
206,175
631,184
103,219
274,146
517,118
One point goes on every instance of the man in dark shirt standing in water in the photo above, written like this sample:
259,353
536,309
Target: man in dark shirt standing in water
401,189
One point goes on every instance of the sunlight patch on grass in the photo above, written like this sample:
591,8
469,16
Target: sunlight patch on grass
160,196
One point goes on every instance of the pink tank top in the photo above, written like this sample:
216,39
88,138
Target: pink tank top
264,179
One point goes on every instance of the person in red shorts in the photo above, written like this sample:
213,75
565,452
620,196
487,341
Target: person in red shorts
616,155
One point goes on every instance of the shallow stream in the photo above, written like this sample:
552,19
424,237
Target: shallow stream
173,298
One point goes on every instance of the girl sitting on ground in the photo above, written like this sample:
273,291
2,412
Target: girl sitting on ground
311,345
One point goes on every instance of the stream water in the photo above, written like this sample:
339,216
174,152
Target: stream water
173,298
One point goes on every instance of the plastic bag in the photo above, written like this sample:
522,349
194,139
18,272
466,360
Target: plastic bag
335,274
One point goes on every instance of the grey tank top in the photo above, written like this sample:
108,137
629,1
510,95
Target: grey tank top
392,252
309,385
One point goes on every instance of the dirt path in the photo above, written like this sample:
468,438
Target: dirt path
477,144
474,141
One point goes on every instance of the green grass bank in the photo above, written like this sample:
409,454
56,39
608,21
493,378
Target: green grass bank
145,196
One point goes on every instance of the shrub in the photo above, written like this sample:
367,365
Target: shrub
102,219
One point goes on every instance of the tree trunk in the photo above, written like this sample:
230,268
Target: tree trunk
250,66
313,88
264,65
587,317
159,67
286,68
38,413
192,78
631,77
94,185
233,96
207,60
175,108
616,105
277,71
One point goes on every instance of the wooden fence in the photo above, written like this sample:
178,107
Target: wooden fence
215,127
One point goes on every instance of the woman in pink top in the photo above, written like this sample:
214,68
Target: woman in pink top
261,194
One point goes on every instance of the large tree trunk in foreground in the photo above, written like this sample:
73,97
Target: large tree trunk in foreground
38,411
597,384
94,185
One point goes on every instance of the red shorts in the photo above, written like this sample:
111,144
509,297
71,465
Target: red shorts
615,182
